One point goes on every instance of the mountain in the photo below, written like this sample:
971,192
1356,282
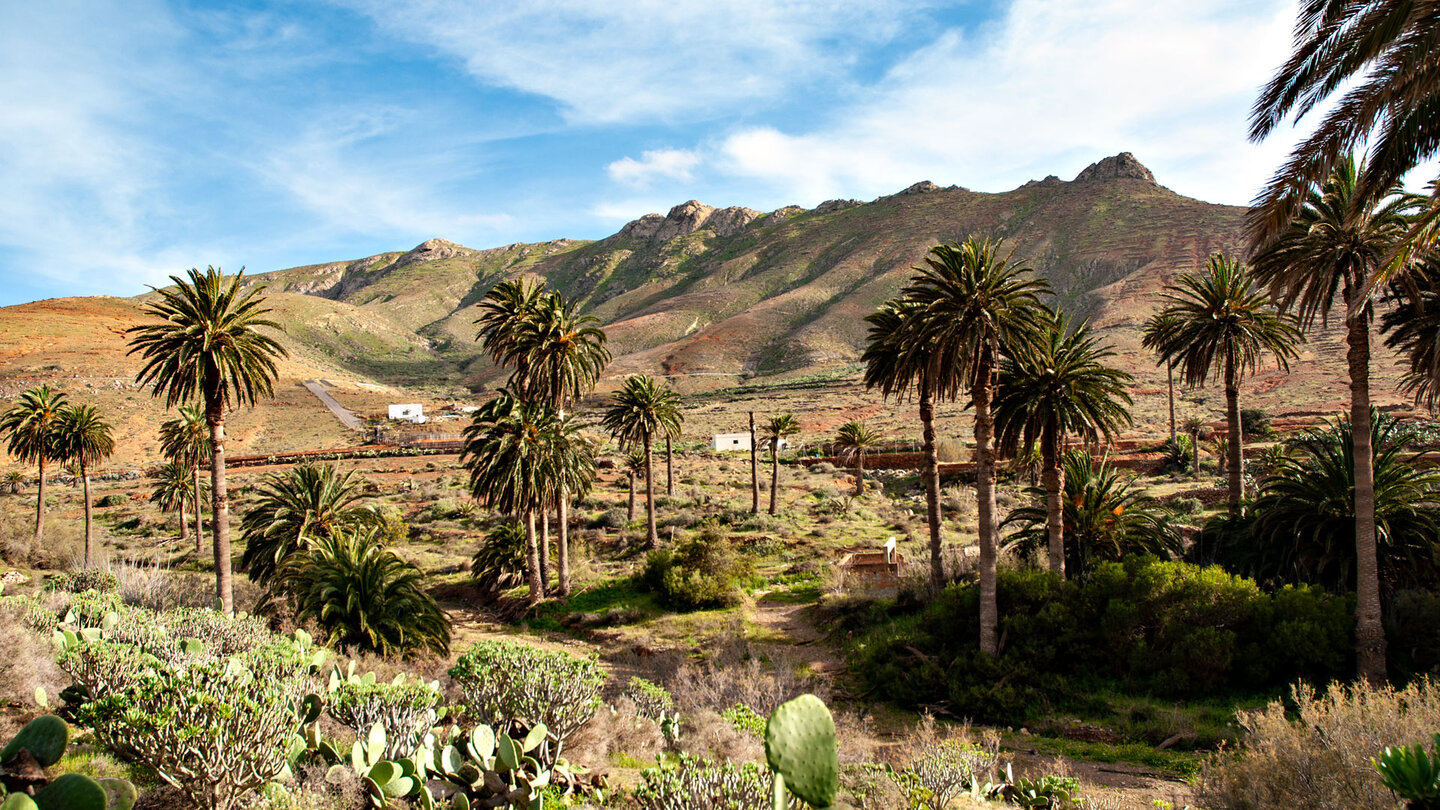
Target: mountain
709,297
732,293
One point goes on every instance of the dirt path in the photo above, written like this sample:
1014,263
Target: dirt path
791,622
347,418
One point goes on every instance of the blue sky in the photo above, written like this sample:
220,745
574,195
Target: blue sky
143,137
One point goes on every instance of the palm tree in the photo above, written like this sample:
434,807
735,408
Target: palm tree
1059,387
1225,325
854,440
634,469
898,369
172,492
1381,52
14,481
499,562
1156,335
1412,328
1307,511
1104,518
972,308
1194,426
293,509
1338,244
776,431
641,410
518,454
362,595
209,347
186,441
754,468
82,436
30,426
556,355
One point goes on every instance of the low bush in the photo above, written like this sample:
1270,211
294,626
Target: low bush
1255,422
405,710
1172,628
698,784
506,681
822,468
1321,758
616,518
114,499
651,699
89,579
702,572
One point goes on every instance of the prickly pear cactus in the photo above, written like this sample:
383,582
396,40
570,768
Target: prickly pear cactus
801,750
44,737
72,791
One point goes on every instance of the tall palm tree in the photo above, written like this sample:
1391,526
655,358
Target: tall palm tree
1059,386
13,481
853,441
1193,427
82,436
754,468
777,430
518,453
30,426
186,440
895,365
1382,53
209,347
973,307
555,354
1156,335
173,492
1338,245
1226,324
293,509
641,410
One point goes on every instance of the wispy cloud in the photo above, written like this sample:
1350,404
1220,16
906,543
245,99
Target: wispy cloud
647,60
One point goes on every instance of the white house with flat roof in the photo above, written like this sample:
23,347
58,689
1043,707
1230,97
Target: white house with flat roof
408,413
738,442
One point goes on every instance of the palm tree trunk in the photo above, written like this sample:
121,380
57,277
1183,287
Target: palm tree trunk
669,469
859,473
1170,383
932,488
774,474
40,506
544,550
1195,451
89,543
1054,486
562,531
1369,633
199,521
631,514
754,471
985,490
532,559
184,527
220,501
1232,418
651,536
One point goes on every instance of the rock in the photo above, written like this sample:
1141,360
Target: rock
732,220
433,250
1123,165
922,187
14,578
830,206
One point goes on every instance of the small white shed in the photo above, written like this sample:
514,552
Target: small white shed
407,413
738,442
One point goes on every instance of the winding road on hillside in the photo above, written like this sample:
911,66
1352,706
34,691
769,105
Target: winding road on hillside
346,417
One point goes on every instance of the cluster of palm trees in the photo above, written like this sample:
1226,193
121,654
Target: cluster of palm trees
42,427
971,323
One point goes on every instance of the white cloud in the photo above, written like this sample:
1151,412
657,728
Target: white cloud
646,60
658,164
1049,88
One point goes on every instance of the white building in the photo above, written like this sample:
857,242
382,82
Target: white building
408,413
738,441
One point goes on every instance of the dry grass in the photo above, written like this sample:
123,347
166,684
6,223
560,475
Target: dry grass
613,730
740,675
26,663
1320,760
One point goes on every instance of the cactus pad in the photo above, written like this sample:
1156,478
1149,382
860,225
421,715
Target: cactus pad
800,747
71,791
44,737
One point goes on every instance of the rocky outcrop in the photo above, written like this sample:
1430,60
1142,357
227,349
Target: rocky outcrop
433,250
1123,165
831,206
687,218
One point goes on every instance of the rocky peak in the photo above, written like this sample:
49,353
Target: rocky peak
1118,166
433,250
689,217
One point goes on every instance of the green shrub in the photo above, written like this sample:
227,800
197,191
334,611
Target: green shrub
216,728
405,710
745,720
700,573
114,499
507,681
651,699
616,518
90,579
1142,624
1255,422
698,784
